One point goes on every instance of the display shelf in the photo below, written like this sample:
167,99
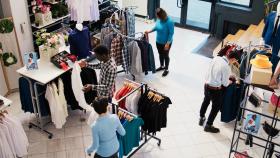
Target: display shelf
7,103
50,24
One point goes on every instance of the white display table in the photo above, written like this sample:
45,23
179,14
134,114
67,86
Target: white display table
45,73
7,103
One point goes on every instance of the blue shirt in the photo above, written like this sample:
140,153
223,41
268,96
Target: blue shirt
165,31
104,135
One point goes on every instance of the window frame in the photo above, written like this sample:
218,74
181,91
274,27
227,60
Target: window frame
237,4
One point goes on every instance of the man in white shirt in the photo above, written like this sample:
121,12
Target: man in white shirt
217,77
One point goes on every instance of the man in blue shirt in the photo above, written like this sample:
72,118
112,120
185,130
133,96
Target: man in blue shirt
165,31
104,131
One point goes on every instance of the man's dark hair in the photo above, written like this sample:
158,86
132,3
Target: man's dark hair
101,50
233,55
100,104
161,13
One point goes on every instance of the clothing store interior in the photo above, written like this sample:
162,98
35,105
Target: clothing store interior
139,78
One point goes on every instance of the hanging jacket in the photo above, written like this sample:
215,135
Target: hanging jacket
88,76
26,99
231,103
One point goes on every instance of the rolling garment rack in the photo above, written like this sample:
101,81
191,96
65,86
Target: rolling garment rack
267,141
130,37
35,81
115,108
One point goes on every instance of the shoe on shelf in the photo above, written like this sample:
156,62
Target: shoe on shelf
165,73
201,121
211,129
160,69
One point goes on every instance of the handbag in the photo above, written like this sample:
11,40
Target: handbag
255,99
274,100
269,130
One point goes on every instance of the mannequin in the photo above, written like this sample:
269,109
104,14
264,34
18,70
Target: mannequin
271,35
79,27
79,40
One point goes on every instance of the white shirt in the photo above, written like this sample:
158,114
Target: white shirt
131,102
136,59
57,108
17,135
84,10
219,72
77,87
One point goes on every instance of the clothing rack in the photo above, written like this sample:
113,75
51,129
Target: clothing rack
112,26
115,108
238,129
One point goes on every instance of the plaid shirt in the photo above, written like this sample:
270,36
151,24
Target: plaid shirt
108,73
116,50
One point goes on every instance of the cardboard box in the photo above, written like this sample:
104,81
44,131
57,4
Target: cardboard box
260,76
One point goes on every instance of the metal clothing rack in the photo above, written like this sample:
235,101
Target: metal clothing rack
112,26
115,108
238,129
36,107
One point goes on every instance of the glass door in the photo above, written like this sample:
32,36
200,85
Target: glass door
189,13
198,14
172,9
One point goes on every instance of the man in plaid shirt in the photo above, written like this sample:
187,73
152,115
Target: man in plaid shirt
108,73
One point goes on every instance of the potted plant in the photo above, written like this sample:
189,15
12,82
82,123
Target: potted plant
48,43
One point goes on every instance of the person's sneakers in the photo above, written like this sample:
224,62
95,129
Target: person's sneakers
165,73
201,121
211,129
160,69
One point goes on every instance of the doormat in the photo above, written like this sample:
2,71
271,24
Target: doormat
207,47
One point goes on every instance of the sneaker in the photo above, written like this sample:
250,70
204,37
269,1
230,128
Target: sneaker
160,69
211,129
201,121
165,73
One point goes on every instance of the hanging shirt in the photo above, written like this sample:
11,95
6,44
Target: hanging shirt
104,135
132,137
18,136
219,72
9,147
165,31
56,107
62,97
77,87
5,150
85,10
136,60
131,102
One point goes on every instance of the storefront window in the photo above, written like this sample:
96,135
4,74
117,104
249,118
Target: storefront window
238,2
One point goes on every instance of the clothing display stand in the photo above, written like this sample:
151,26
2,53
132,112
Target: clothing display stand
116,108
46,73
6,104
130,37
238,128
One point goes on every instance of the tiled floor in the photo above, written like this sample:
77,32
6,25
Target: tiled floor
183,138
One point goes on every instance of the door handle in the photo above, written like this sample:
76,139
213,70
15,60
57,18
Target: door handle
179,3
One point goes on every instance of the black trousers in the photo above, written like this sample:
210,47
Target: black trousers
113,156
163,55
214,96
